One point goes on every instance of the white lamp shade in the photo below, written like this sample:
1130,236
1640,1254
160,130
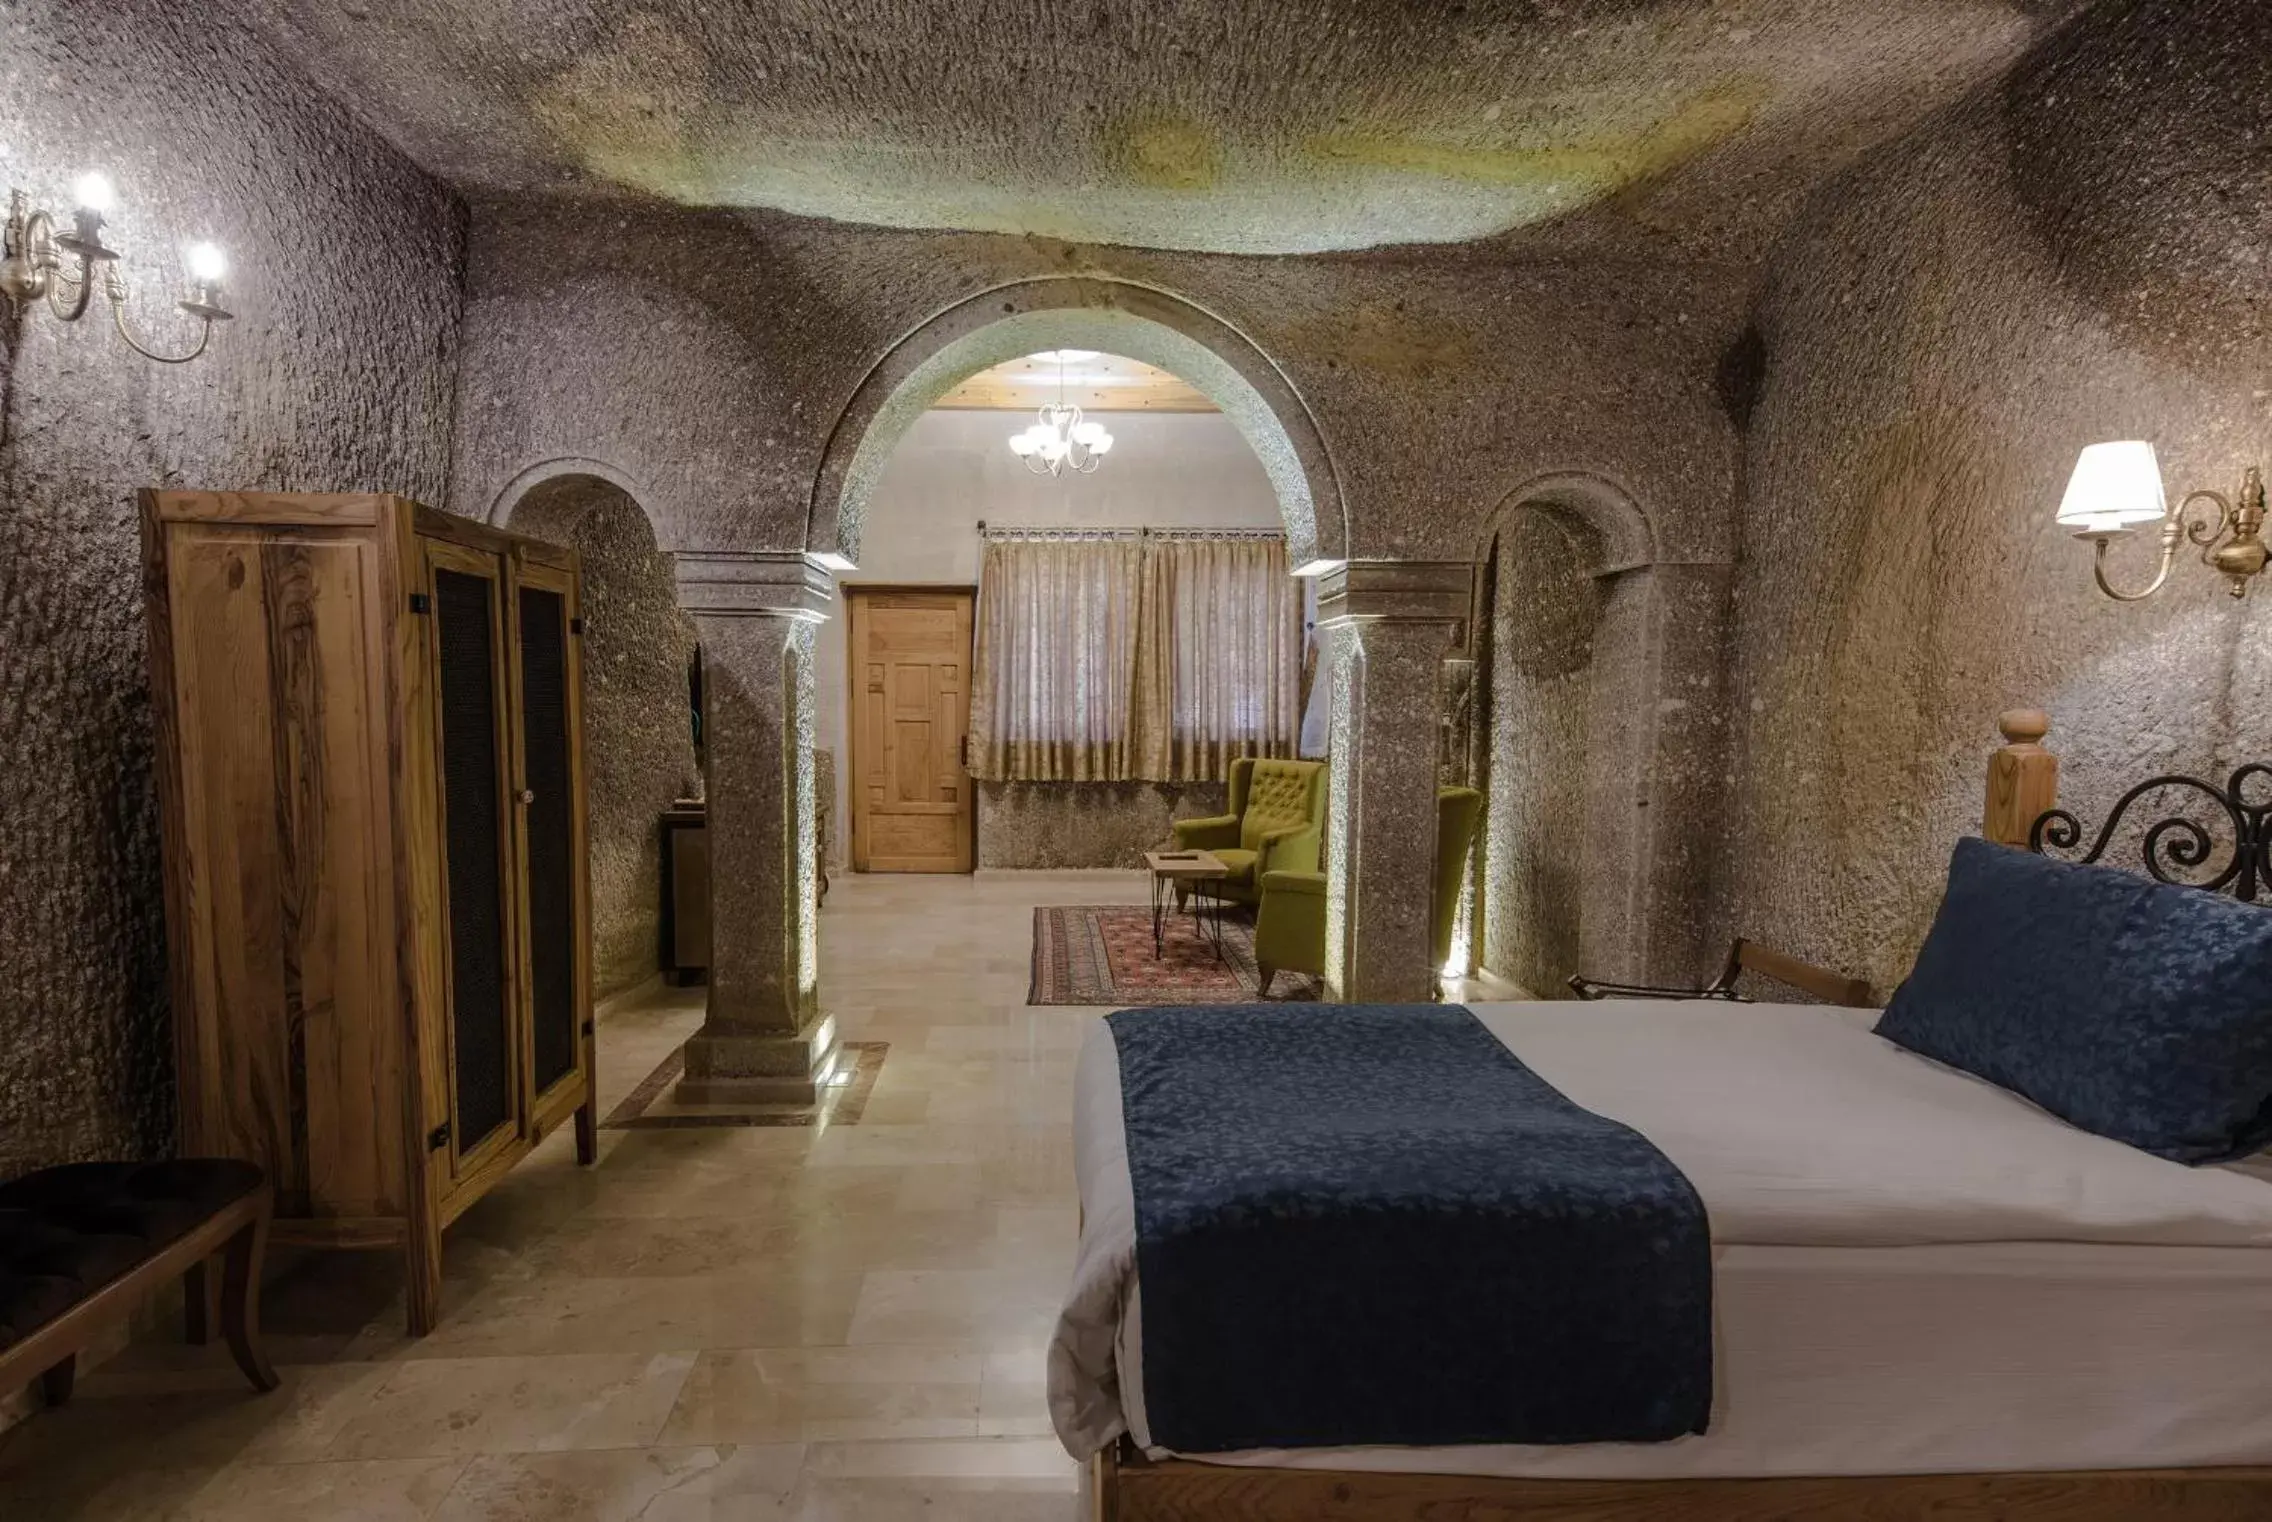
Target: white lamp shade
1023,444
1103,444
206,262
2114,486
1087,433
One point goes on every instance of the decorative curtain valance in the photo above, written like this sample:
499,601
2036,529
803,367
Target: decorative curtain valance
1112,655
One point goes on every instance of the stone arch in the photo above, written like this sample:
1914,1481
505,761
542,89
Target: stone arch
638,735
1577,866
1087,312
518,492
1627,537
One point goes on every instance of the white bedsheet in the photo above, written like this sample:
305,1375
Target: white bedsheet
1914,1271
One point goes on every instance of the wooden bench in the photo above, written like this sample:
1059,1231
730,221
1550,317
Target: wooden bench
81,1245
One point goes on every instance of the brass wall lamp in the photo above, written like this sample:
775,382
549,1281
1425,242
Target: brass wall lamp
2118,487
36,261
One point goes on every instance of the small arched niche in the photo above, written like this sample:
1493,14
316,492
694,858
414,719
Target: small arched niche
1564,735
638,735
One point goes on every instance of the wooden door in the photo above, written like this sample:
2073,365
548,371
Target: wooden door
909,661
269,638
555,901
478,1033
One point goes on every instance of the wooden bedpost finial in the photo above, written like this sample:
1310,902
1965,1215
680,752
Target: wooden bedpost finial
2024,726
2023,778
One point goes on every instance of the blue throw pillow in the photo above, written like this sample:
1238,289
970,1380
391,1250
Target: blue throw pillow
2131,1008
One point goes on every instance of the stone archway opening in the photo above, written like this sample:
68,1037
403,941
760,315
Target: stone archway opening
1568,632
1111,316
1270,469
639,744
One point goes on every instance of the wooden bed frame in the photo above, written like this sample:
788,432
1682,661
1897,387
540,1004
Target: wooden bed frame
1124,1486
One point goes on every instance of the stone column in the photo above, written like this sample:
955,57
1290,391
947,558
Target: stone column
763,1039
1655,769
1392,623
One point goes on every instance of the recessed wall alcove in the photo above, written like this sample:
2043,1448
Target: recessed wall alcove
639,746
1589,652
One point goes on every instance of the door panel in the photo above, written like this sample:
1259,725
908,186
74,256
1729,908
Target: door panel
912,802
467,602
544,651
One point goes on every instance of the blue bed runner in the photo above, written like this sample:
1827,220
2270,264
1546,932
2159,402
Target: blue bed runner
1372,1224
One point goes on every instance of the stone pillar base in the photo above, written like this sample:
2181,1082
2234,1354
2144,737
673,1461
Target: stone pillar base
758,1069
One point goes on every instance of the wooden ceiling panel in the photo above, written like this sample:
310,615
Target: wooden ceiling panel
1091,382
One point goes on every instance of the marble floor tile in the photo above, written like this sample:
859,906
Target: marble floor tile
439,1406
1038,1462
209,1419
565,1316
732,1324
972,1306
658,1484
1013,1394
360,1490
780,1395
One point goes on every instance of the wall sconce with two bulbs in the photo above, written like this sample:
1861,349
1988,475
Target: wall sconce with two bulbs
2117,488
35,263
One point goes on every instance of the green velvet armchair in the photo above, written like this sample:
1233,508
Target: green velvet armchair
1289,928
1276,820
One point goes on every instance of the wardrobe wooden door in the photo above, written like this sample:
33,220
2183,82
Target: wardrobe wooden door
555,898
479,1031
913,808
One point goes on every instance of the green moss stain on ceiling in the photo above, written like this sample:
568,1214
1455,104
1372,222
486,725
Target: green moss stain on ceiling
1168,153
1593,162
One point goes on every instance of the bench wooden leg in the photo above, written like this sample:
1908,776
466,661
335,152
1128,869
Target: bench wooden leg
240,1302
55,1381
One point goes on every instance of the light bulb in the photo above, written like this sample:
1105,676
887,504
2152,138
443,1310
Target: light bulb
1103,445
207,264
1023,444
93,193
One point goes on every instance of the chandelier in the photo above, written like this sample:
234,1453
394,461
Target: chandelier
1059,440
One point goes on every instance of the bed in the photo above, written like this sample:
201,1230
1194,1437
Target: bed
2078,1330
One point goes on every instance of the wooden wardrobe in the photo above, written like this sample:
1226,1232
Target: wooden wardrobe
371,785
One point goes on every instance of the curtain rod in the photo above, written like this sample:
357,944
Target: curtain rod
999,531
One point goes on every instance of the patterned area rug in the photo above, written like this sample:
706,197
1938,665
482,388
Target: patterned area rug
1102,954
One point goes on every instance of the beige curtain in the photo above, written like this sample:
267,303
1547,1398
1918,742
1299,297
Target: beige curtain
1218,656
1051,693
1113,658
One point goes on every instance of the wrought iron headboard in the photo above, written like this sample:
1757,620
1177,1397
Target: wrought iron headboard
2178,844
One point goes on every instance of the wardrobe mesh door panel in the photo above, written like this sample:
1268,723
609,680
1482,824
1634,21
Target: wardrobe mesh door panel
466,679
549,828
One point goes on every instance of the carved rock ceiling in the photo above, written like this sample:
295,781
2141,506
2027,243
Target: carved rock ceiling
1182,124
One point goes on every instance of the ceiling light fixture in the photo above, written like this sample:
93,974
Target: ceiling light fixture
1059,440
32,265
2117,488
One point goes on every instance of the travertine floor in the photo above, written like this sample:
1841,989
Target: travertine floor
717,1323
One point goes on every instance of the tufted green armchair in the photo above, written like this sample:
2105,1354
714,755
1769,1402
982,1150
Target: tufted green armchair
1289,930
1276,820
